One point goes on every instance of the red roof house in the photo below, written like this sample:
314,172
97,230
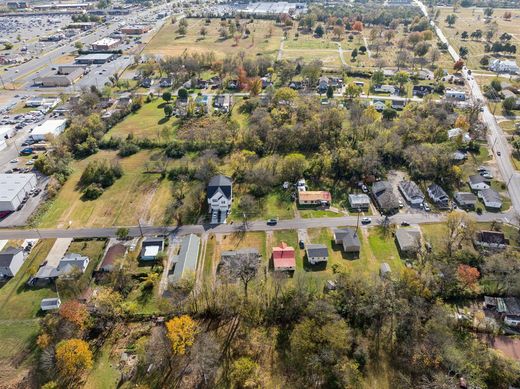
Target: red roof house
284,258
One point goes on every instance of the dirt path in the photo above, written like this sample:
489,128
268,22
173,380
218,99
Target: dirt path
280,50
200,264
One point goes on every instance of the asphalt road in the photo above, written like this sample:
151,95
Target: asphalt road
495,135
420,217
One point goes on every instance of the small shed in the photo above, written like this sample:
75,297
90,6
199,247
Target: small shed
50,304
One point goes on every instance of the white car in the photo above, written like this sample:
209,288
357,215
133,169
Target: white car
13,161
366,220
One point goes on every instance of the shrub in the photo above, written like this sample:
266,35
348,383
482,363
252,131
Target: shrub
92,192
128,149
479,211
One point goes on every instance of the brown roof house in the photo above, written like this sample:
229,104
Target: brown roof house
113,253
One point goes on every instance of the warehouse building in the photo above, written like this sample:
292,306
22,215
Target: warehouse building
5,133
48,127
135,30
14,188
58,80
90,59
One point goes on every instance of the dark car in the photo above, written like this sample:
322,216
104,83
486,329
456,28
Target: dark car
405,224
301,243
272,222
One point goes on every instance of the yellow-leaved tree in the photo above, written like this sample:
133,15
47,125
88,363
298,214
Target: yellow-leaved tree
181,332
73,356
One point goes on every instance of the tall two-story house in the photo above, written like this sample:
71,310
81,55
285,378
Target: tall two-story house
220,196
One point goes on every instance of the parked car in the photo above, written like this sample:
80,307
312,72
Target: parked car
405,224
272,222
427,207
301,243
366,220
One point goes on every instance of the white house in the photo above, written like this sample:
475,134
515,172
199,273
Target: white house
512,320
385,89
451,94
505,66
477,182
317,253
11,260
220,197
411,192
456,132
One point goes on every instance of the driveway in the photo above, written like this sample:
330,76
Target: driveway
58,251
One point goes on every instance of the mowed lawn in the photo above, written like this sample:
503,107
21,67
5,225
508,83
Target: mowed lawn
135,196
17,300
148,122
168,42
469,19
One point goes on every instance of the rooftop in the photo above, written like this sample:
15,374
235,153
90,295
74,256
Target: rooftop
48,127
316,195
12,184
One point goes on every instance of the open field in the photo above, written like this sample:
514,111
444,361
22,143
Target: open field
119,205
470,19
148,122
104,373
168,42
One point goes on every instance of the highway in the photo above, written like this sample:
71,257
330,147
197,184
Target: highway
420,217
495,136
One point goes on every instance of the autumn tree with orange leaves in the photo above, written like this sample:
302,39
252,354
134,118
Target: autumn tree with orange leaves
76,313
468,277
357,26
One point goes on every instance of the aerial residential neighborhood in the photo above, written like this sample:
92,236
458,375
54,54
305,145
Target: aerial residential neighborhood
260,194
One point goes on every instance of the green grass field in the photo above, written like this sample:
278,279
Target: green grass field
119,204
105,373
148,122
168,42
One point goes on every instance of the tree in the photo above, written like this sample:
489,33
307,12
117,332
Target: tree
451,19
246,269
357,26
78,45
509,104
507,15
167,96
488,11
438,74
181,332
203,31
244,372
463,51
389,113
285,95
293,166
168,110
76,313
122,233
464,35
352,90
354,54
182,30
182,94
435,54
338,32
255,87
319,31
378,77
468,276
330,92
460,227
73,357
462,122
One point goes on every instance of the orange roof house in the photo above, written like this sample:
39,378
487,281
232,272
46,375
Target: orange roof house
284,258
318,197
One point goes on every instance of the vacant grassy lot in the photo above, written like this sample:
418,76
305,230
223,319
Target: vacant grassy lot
19,302
136,195
148,122
105,373
264,39
470,19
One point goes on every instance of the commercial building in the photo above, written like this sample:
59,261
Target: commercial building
135,30
5,133
89,59
48,128
14,188
59,80
105,44
84,26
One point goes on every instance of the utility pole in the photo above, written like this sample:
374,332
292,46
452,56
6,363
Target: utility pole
140,228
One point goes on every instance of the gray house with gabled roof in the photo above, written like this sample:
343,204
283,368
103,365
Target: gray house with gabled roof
186,261
438,196
411,192
384,197
316,253
220,197
348,238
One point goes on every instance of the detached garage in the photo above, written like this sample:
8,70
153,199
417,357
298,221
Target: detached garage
13,188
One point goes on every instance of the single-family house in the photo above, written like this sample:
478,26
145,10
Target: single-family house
379,105
422,90
166,82
220,197
233,84
146,82
222,102
398,104
490,198
150,248
459,156
201,103
316,253
438,196
455,133
284,258
411,192
185,262
314,197
323,84
112,255
478,183
384,197
359,201
296,85
494,240
232,260
50,304
408,240
336,82
465,200
11,260
70,263
266,82
452,94
507,308
504,66
348,238
391,89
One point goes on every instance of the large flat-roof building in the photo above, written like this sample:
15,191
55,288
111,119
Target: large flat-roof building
48,127
89,59
105,44
13,189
